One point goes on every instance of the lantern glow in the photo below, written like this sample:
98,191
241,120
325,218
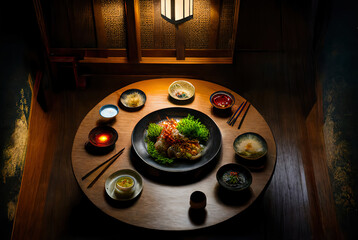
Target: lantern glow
177,11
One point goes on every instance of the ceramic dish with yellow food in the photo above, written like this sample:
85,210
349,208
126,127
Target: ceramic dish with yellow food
250,146
124,185
181,90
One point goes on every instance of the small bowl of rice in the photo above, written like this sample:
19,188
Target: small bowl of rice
250,146
132,99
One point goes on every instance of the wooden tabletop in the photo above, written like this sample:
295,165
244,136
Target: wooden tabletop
165,206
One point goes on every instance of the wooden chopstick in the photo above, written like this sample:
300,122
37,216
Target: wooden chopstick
242,119
104,169
232,124
232,117
90,172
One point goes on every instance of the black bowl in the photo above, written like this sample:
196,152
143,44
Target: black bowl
109,131
234,177
125,94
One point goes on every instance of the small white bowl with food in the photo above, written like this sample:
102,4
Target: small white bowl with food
124,185
182,91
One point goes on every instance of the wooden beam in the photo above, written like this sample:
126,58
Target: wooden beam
179,42
81,53
133,30
215,10
41,24
101,38
236,23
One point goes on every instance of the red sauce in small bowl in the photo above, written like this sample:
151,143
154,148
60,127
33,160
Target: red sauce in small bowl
222,100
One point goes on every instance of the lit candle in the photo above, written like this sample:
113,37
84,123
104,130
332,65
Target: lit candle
103,138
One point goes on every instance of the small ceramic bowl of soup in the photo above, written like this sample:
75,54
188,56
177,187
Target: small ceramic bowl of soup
125,184
250,146
222,100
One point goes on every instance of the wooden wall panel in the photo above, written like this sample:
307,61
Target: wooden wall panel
70,23
215,10
259,25
82,23
133,33
56,17
101,38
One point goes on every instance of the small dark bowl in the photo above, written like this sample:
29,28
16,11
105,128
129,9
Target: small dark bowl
253,137
111,132
225,94
244,176
125,94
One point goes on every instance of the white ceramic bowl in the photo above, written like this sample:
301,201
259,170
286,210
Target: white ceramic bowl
109,111
181,90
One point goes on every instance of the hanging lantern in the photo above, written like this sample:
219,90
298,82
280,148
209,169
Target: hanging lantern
177,11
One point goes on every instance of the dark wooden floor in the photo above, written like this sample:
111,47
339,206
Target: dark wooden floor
279,82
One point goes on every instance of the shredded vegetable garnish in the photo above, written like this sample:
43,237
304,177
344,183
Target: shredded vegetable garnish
171,139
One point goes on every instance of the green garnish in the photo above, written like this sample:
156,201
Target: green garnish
154,131
188,126
233,178
157,157
193,128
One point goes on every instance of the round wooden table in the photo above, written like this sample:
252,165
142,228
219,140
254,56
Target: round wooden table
165,206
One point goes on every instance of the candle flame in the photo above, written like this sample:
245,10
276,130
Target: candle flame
103,138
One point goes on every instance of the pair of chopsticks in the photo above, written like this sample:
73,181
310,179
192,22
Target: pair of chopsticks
113,159
237,113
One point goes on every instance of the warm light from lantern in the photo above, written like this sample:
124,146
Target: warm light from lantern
177,11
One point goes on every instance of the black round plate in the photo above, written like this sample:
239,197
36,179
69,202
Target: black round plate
212,146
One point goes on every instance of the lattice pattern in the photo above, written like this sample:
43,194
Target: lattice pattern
197,29
165,39
114,23
147,24
168,34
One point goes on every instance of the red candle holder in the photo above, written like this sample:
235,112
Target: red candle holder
103,136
